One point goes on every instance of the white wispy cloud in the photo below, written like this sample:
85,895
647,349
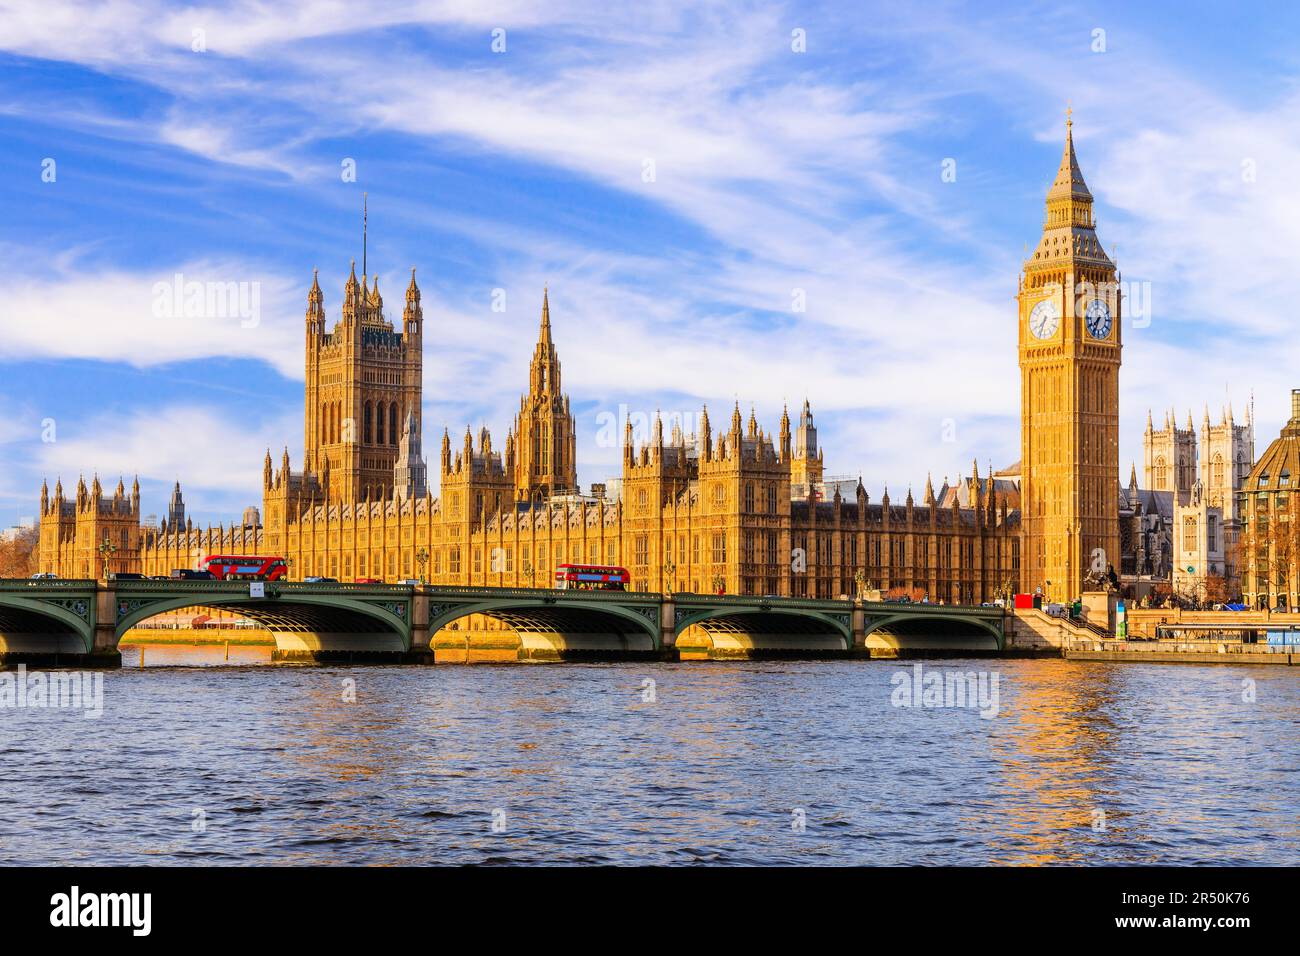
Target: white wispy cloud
798,175
217,459
190,311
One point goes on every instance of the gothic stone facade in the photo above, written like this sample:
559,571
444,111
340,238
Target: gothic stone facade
708,513
742,511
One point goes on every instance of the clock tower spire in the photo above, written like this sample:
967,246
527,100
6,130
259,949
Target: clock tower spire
1069,340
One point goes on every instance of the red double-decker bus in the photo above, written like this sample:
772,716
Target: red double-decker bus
244,567
591,577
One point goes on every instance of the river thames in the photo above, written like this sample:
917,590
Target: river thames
200,761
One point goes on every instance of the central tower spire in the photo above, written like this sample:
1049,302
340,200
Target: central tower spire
545,435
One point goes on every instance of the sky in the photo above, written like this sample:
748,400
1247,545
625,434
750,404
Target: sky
729,202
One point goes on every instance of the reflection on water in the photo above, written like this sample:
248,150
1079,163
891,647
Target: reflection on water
194,655
1084,763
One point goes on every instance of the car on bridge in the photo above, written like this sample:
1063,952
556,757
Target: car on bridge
319,580
189,574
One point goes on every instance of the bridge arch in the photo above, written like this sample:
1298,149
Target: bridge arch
302,623
31,626
550,627
743,630
945,632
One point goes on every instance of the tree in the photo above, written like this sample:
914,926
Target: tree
1217,589
18,553
1282,538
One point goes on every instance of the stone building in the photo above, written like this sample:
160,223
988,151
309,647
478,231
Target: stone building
740,510
80,537
1202,477
717,513
1070,353
1269,545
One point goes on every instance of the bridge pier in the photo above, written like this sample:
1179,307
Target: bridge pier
668,629
858,628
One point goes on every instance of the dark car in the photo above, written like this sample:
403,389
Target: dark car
128,576
189,574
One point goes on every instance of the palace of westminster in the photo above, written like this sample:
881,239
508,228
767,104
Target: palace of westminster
739,509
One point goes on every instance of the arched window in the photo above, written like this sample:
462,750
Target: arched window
1161,472
379,424
392,424
368,429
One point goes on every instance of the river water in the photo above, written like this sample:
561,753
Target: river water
200,760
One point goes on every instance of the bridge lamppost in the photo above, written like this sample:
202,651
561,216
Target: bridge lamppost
1006,589
106,552
860,582
670,569
720,583
529,572
421,559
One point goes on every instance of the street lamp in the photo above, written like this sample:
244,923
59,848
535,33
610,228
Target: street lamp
421,559
106,552
669,570
530,573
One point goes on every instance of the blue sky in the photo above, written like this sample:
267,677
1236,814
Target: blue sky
774,171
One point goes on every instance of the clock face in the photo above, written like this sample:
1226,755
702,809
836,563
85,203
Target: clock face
1045,319
1098,319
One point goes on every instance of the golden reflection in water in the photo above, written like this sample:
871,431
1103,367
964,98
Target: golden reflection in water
1055,765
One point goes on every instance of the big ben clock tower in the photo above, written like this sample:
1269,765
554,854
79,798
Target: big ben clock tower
1069,305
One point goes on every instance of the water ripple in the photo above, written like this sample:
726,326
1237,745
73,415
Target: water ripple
729,764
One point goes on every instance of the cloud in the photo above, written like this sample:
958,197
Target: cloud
218,459
156,316
775,173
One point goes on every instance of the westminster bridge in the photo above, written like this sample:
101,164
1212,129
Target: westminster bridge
82,622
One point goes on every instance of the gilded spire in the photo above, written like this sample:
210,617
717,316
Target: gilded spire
351,287
1069,182
545,338
1069,229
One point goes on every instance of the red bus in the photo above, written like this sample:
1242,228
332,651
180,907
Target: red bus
226,567
591,577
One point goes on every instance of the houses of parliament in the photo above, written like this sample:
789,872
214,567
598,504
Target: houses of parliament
734,508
